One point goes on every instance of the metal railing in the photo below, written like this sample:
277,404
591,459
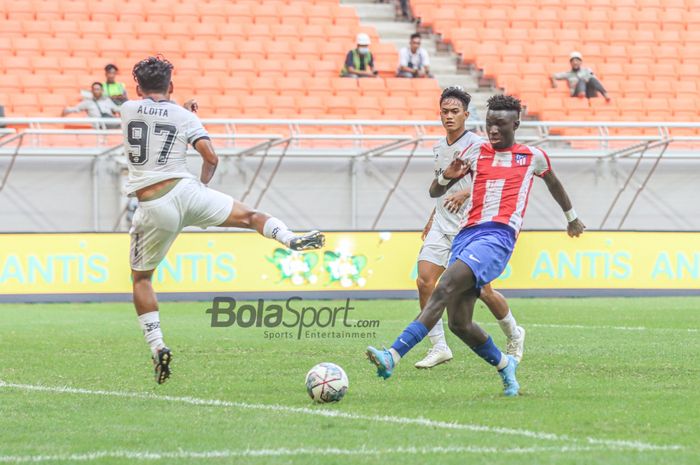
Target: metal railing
359,139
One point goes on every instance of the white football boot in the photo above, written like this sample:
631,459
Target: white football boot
516,344
435,357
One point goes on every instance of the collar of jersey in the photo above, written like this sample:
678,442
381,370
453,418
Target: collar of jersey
457,139
157,101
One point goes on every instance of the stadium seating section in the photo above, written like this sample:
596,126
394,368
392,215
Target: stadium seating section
242,59
646,52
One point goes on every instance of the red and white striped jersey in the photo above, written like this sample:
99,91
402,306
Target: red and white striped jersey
501,182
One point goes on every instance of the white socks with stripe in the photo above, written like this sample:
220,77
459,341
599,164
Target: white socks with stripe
277,230
437,336
150,323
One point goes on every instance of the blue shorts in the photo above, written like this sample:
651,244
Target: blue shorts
485,248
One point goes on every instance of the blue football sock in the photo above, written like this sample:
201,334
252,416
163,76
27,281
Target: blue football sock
489,352
412,335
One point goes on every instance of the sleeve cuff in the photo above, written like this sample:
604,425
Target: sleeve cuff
198,139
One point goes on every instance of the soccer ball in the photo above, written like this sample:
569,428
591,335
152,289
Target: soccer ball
326,382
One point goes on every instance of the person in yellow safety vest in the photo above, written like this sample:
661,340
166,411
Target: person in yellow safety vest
113,89
359,62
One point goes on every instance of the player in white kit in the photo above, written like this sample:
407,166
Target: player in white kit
156,135
442,227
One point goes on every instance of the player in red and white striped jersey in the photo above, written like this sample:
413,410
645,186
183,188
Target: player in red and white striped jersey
502,181
502,172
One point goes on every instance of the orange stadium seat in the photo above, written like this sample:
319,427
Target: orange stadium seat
372,87
241,58
368,107
318,86
644,51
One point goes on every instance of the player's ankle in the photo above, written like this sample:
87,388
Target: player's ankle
396,357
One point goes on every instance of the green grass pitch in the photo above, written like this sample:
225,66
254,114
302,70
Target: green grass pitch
604,381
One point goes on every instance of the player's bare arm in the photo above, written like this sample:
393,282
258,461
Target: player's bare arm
209,159
575,226
454,202
453,173
428,225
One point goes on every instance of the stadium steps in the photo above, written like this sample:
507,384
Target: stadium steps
445,63
382,16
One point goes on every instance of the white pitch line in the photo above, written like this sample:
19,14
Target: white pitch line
285,452
620,328
612,443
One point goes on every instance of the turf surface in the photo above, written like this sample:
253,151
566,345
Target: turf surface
609,381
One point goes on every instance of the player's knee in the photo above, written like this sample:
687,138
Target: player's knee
246,220
425,284
141,277
440,296
450,286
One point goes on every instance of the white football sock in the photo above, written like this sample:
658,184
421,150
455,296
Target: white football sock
508,325
277,230
395,355
150,323
503,363
437,336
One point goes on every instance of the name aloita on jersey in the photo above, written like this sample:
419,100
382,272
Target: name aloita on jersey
153,111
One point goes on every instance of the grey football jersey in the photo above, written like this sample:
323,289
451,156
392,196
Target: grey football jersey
156,136
444,221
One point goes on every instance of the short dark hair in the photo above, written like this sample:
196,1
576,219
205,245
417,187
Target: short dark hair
110,67
153,74
458,93
504,102
96,84
415,35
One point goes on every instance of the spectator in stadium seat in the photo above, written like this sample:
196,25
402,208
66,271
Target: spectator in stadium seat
114,90
414,61
359,62
97,105
582,82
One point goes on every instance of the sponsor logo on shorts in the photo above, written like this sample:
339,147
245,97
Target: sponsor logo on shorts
472,257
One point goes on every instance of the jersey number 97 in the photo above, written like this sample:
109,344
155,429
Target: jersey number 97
138,133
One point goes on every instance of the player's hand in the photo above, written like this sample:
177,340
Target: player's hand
575,228
426,230
456,170
454,202
191,105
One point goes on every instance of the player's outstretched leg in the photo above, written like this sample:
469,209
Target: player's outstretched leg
386,360
242,216
428,275
146,305
515,335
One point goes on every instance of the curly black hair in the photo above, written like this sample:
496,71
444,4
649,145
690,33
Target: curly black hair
153,74
456,92
504,102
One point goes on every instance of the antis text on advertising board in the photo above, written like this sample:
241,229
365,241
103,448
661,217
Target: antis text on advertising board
352,261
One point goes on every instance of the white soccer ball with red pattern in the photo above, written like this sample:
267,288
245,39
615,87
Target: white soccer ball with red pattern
326,382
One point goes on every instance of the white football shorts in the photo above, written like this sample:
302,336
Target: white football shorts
157,222
436,248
